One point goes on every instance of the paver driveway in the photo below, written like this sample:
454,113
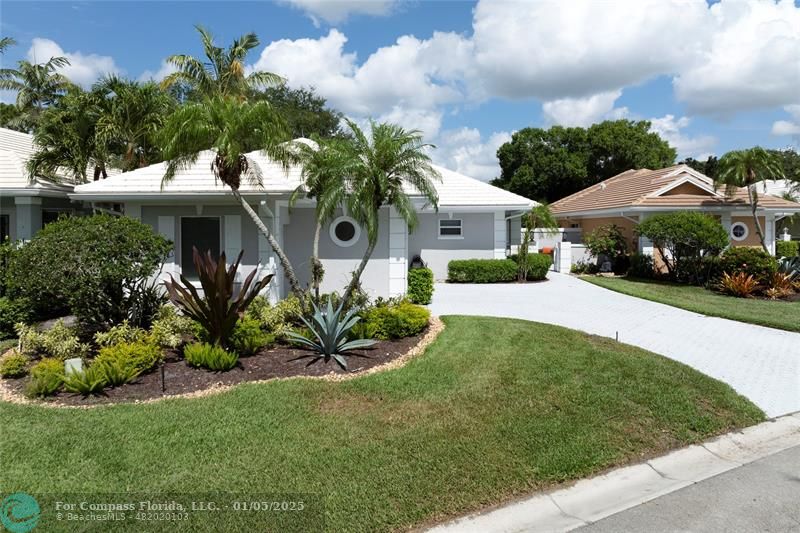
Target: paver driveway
761,363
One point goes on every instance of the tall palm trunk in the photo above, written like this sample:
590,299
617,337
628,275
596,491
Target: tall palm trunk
753,196
357,274
316,265
273,242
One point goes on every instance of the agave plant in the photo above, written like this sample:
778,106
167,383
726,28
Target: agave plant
330,330
217,311
791,267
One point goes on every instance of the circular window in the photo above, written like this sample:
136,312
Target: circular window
739,231
345,232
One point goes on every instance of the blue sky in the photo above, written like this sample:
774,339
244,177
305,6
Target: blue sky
712,78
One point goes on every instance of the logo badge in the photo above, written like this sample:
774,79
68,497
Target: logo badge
19,512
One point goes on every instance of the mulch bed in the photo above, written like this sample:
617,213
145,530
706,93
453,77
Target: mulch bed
276,362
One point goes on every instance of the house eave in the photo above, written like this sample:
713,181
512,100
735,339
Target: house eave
622,211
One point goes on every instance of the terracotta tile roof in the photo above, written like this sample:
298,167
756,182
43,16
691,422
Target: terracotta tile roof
636,188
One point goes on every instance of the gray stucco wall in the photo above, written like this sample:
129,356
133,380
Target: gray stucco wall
339,262
249,232
477,241
8,207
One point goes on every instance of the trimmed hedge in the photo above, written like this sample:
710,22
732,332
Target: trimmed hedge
397,321
787,248
420,285
481,271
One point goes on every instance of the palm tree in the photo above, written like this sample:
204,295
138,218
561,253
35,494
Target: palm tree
323,181
379,170
38,86
132,115
67,139
746,169
231,128
539,217
222,73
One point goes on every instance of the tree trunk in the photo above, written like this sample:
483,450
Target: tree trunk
753,207
316,265
273,242
357,274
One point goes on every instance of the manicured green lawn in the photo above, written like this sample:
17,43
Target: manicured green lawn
494,408
773,314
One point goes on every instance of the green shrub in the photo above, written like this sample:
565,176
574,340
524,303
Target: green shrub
750,261
11,313
608,241
120,333
59,341
145,300
115,372
278,319
420,285
169,327
210,356
641,266
398,321
88,266
47,376
137,356
582,267
7,250
12,365
90,381
481,271
787,248
684,239
538,266
364,330
248,337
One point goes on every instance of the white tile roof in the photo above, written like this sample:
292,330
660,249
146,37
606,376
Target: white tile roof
454,190
15,150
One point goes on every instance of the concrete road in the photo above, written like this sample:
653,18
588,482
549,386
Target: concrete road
761,496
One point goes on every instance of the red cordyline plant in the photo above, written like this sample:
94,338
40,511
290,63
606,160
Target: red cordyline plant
217,310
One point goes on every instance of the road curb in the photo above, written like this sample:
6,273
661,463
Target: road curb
592,499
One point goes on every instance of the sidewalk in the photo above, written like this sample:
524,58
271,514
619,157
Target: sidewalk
592,500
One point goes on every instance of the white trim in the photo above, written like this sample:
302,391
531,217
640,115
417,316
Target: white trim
598,213
336,239
741,225
769,232
688,179
460,226
398,254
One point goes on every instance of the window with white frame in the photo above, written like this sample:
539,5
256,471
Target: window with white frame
202,233
739,231
345,232
450,228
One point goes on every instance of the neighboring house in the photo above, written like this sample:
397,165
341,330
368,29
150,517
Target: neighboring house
630,197
25,204
474,220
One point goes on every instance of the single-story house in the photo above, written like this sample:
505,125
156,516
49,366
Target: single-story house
628,198
474,220
26,205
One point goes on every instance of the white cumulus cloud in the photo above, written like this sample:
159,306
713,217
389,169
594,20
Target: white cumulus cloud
753,61
670,129
337,11
163,71
465,150
584,111
84,69
788,127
